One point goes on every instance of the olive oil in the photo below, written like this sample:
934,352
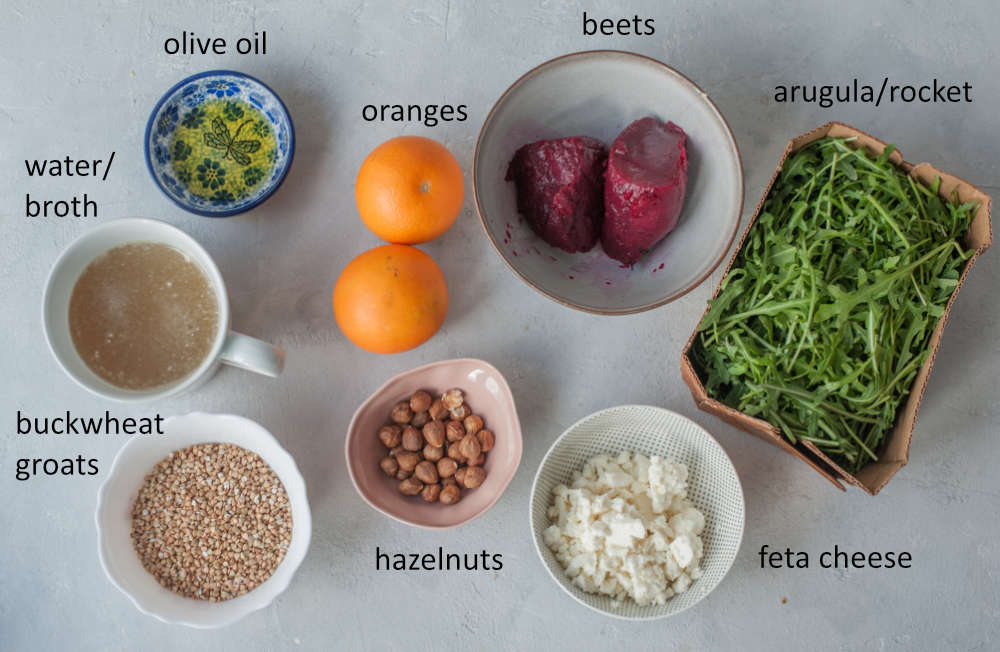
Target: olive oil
223,150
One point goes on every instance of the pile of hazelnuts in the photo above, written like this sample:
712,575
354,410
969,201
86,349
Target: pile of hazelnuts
437,447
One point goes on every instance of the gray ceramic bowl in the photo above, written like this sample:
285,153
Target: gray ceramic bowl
598,94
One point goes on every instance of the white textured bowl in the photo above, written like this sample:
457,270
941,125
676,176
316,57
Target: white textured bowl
114,518
598,94
713,487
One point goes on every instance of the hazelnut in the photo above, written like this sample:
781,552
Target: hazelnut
389,466
486,440
431,493
448,482
412,441
402,475
390,436
408,460
433,453
395,451
473,424
401,413
478,461
455,452
470,447
420,401
454,430
460,412
460,476
437,410
411,486
451,494
446,467
420,419
434,433
426,472
474,477
453,398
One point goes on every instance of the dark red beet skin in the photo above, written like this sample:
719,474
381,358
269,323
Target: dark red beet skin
560,189
644,190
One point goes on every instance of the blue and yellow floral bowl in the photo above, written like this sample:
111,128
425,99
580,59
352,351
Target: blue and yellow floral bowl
219,143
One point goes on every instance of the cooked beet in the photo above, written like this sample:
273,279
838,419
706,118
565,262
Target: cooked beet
560,189
644,191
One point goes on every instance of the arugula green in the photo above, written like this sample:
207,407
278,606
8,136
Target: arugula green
824,320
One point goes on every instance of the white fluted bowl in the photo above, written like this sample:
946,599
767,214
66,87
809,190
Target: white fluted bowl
114,518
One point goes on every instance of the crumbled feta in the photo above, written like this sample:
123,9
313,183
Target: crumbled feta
625,528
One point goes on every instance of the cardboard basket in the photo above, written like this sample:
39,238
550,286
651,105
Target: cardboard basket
896,449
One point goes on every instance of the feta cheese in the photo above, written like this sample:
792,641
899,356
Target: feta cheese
625,528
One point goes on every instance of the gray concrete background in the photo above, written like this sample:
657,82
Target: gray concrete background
81,81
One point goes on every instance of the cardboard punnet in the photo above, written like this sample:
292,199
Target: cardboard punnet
895,451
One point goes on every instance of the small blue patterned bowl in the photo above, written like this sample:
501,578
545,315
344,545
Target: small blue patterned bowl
218,143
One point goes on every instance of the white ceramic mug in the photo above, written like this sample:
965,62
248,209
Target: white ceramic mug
229,347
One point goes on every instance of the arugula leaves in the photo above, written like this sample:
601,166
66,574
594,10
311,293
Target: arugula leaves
824,320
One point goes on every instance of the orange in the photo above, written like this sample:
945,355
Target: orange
409,190
390,299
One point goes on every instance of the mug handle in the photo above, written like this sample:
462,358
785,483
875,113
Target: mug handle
254,355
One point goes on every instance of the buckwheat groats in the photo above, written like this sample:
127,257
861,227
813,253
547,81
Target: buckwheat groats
211,522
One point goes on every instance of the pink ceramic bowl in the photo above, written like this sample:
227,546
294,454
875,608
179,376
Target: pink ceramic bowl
486,392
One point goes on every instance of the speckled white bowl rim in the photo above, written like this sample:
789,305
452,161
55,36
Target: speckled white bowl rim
264,594
694,91
542,550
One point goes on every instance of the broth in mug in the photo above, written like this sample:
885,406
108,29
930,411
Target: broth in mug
143,315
